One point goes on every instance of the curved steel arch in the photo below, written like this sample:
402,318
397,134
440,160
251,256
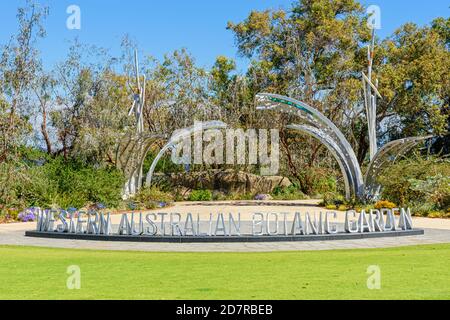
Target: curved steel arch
323,128
178,138
131,146
386,156
130,156
336,152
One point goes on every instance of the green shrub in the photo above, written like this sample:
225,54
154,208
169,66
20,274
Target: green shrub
422,209
436,188
77,185
201,195
325,184
288,193
55,183
318,181
219,195
165,165
331,199
152,198
12,175
419,183
12,214
439,214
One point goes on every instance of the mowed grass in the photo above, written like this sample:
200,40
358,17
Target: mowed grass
420,272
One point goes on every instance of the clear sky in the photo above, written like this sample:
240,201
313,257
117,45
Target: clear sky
162,26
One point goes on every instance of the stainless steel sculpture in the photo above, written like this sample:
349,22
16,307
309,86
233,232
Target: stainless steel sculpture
134,181
321,128
370,99
134,148
335,151
179,137
139,98
388,154
130,156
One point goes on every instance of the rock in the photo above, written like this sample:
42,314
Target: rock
232,182
227,181
261,184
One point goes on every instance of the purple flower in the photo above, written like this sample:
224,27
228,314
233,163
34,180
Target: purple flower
100,206
27,215
162,204
263,197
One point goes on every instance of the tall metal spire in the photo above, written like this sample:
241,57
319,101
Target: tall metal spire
370,98
139,98
135,182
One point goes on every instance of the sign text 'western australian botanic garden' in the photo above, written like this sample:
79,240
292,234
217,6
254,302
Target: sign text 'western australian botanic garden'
224,225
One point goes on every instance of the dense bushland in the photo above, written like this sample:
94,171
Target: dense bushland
52,182
72,116
420,183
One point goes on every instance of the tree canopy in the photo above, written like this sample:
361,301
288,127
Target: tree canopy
314,52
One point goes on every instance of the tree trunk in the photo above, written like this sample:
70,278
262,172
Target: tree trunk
363,148
291,165
45,132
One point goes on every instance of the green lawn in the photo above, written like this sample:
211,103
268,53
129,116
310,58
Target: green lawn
421,272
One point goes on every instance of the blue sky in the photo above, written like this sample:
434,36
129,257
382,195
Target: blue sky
163,26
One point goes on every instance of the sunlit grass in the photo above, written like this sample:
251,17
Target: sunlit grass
420,272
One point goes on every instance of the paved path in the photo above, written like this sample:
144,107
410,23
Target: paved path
436,231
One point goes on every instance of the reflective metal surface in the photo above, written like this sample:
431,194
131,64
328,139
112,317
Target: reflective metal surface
179,138
130,156
385,157
321,128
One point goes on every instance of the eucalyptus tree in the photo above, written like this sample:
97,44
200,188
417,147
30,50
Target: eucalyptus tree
442,27
19,63
44,90
91,105
315,53
185,84
309,53
19,60
415,81
232,94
